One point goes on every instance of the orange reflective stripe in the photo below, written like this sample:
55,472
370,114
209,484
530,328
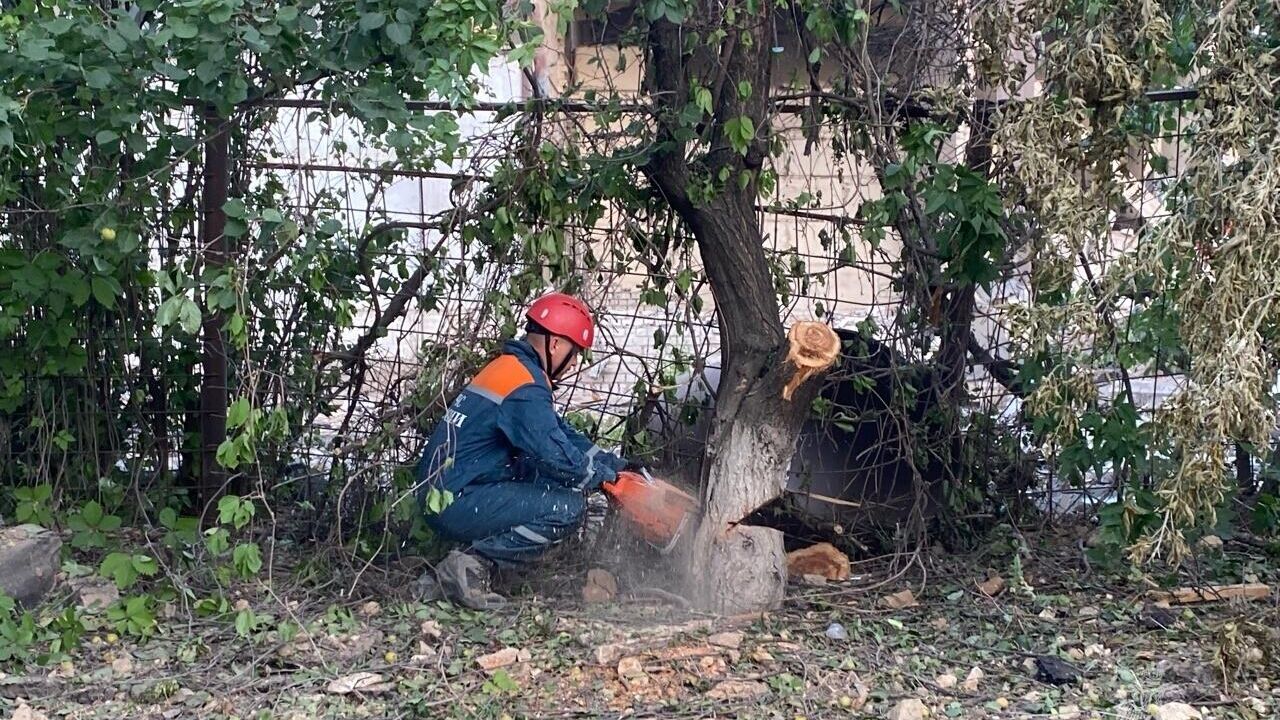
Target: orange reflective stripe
501,377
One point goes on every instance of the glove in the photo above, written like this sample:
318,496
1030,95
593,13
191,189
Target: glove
604,472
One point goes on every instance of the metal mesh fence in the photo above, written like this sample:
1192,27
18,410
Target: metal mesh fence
658,341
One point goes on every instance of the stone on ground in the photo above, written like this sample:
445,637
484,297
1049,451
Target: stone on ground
28,562
909,709
94,593
1176,711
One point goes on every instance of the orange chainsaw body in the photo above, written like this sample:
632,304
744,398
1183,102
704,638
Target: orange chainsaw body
659,511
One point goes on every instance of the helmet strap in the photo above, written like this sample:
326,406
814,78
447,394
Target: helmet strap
553,374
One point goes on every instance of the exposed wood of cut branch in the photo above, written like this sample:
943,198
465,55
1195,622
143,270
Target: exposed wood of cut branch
1212,593
814,348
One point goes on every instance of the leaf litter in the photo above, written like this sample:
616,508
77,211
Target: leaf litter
952,651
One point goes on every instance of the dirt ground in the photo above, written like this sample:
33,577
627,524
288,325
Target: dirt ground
1057,640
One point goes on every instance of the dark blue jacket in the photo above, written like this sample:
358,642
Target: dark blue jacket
504,427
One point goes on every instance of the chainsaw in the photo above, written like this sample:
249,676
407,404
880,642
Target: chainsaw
660,513
657,510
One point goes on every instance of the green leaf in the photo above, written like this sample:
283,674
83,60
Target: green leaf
115,42
35,49
372,21
228,454
740,131
272,215
245,622
398,33
189,316
106,136
91,513
145,565
247,559
120,568
167,314
183,29
235,510
702,98
218,540
234,208
97,78
238,413
59,26
103,291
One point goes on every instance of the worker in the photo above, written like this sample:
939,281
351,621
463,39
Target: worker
519,473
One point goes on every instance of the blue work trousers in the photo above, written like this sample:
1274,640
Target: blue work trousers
511,522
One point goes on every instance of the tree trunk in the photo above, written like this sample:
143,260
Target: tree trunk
213,380
730,567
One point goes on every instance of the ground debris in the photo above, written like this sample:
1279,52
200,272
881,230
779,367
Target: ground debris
361,682
992,586
502,658
94,593
909,709
822,559
737,690
899,600
973,680
1212,593
631,673
610,653
1155,617
1176,711
730,640
26,712
600,587
431,629
1055,671
1212,543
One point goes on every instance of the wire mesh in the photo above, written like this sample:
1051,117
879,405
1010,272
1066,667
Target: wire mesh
650,348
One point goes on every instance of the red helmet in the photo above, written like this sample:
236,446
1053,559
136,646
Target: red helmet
564,315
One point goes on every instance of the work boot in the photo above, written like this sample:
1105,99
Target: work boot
465,580
426,588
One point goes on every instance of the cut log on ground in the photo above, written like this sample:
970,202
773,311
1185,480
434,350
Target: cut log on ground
822,559
1213,593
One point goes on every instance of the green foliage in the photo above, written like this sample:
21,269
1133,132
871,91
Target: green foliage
34,505
1266,515
125,568
133,616
180,532
96,153
500,683
235,511
22,634
247,559
91,525
17,632
438,500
